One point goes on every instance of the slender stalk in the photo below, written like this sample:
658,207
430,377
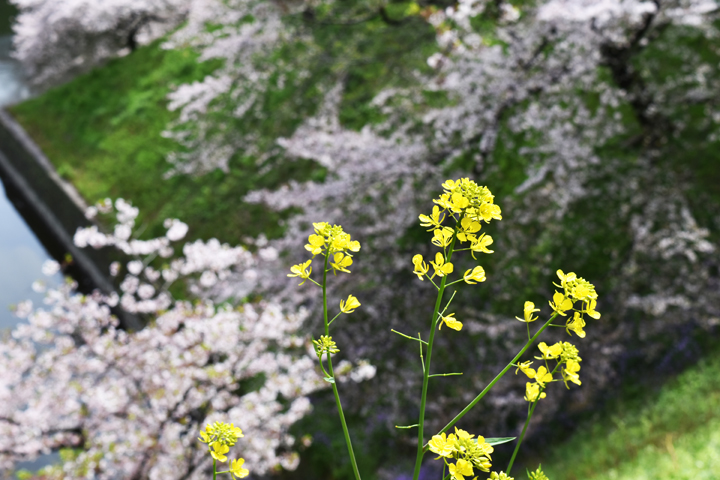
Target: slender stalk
531,409
214,469
332,374
426,369
495,380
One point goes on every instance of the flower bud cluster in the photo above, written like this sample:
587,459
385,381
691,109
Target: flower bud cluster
469,453
220,437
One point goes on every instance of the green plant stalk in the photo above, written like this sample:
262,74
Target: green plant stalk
426,370
531,409
214,469
334,385
495,380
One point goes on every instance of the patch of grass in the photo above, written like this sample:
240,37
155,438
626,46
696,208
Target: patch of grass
103,132
671,434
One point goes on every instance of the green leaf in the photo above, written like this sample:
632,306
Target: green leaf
329,379
499,441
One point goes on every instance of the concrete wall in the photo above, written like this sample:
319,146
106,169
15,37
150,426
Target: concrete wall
53,209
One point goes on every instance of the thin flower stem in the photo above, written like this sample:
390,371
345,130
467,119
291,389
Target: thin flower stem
531,409
426,368
444,374
407,336
495,380
214,469
449,302
422,360
332,374
334,318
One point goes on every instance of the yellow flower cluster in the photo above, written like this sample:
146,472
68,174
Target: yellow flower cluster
575,289
332,242
568,360
468,204
469,453
220,437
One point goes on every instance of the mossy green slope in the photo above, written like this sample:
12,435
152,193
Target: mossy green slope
670,434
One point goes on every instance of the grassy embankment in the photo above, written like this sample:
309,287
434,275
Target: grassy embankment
669,434
102,131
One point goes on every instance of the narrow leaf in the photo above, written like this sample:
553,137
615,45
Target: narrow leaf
499,441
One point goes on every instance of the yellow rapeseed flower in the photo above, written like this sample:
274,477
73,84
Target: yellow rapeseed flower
301,270
532,392
476,275
440,445
590,309
543,376
481,244
570,372
442,237
421,268
460,469
218,451
440,266
434,220
315,244
341,262
236,467
350,305
551,352
450,322
468,228
528,310
525,368
561,303
576,325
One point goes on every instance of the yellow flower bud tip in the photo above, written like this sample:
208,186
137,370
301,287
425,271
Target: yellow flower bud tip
349,305
450,322
236,467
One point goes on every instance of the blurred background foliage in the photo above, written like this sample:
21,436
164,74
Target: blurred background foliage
103,129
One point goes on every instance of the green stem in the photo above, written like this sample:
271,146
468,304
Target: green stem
495,380
531,409
426,369
332,374
214,469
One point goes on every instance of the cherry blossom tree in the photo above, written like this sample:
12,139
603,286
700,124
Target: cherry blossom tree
56,40
131,404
